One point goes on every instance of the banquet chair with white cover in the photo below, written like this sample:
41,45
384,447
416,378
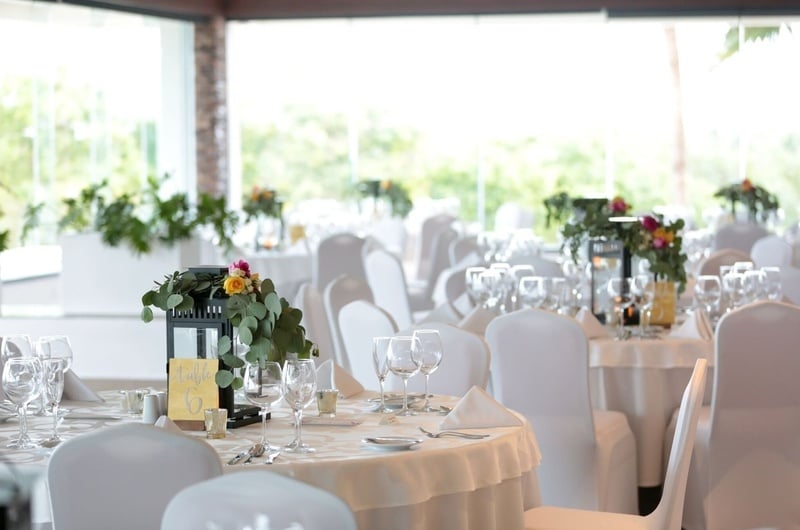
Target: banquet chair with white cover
315,321
465,362
337,254
718,258
242,500
359,322
122,477
337,294
391,233
387,281
745,471
667,515
540,368
772,251
790,284
421,292
429,230
462,247
740,236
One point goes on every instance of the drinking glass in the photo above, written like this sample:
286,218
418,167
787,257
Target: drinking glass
21,379
263,386
732,286
772,282
619,289
753,285
556,293
299,387
491,284
533,290
52,390
16,346
380,347
55,347
428,352
504,286
473,285
707,291
517,273
644,288
402,362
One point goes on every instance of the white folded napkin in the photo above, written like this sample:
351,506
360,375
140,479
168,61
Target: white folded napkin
591,326
478,410
331,375
477,320
696,326
76,390
166,423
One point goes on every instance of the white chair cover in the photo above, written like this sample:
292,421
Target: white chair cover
392,234
465,362
241,500
745,472
540,367
740,236
790,284
309,301
511,216
428,232
772,251
718,258
421,294
462,247
122,477
667,515
387,281
337,254
337,294
359,322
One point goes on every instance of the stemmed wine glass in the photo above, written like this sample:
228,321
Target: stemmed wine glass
16,346
299,386
533,290
707,291
21,379
619,289
428,355
53,347
380,347
643,286
263,386
52,391
403,363
772,285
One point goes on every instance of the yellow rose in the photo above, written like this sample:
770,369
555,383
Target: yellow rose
663,233
386,184
234,285
254,277
266,194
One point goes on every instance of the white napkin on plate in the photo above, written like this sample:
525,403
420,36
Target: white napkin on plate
591,326
166,423
331,375
477,320
77,390
696,326
478,410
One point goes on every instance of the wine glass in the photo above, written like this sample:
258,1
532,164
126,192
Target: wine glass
772,282
533,290
428,352
707,291
52,391
491,284
299,386
21,379
619,289
403,363
55,347
380,346
753,285
732,286
644,288
473,286
263,386
16,346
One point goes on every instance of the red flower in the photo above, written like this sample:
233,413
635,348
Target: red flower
618,205
747,185
242,265
659,242
650,223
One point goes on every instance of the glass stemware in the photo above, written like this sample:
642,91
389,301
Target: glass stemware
380,347
403,363
619,289
428,354
263,386
707,292
644,288
732,286
52,390
772,282
299,386
21,379
16,346
55,347
532,291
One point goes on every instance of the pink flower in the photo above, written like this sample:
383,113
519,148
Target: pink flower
659,242
650,223
618,205
241,265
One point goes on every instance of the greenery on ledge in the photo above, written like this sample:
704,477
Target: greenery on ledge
758,201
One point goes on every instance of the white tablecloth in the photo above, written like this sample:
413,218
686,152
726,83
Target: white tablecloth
442,483
286,268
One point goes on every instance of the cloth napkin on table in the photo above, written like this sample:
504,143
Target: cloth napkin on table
331,375
478,410
696,326
167,424
76,390
591,326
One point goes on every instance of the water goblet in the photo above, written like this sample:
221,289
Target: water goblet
299,387
491,282
619,289
380,347
428,354
644,288
21,379
263,386
707,291
403,363
55,347
753,285
474,288
732,286
16,346
532,290
52,390
772,282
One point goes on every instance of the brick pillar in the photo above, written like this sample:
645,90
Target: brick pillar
211,112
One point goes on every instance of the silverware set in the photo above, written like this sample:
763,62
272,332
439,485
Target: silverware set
258,449
457,434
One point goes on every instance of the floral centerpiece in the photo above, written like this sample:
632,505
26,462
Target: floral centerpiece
265,323
263,202
395,194
758,201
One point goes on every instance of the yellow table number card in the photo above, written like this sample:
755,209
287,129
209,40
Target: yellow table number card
192,389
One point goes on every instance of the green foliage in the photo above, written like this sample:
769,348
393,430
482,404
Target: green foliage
751,33
757,200
396,194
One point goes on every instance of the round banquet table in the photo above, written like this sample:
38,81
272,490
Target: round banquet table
438,484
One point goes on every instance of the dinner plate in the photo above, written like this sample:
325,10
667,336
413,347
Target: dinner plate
390,443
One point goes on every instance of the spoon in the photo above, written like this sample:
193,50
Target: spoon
256,450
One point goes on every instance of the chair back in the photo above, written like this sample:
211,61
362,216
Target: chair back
336,295
439,259
740,236
359,322
772,251
540,367
309,301
462,247
753,447
241,500
669,512
430,228
718,258
123,477
392,234
387,281
465,362
337,254
790,284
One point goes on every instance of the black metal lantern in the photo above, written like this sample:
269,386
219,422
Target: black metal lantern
608,259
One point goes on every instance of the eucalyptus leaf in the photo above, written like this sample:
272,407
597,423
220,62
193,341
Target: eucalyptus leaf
186,305
273,303
245,335
224,378
267,286
174,300
232,361
250,322
257,310
148,298
223,345
147,314
281,338
237,383
261,348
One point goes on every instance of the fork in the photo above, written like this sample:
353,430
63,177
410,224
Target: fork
470,436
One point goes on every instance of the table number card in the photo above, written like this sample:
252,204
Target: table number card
192,389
